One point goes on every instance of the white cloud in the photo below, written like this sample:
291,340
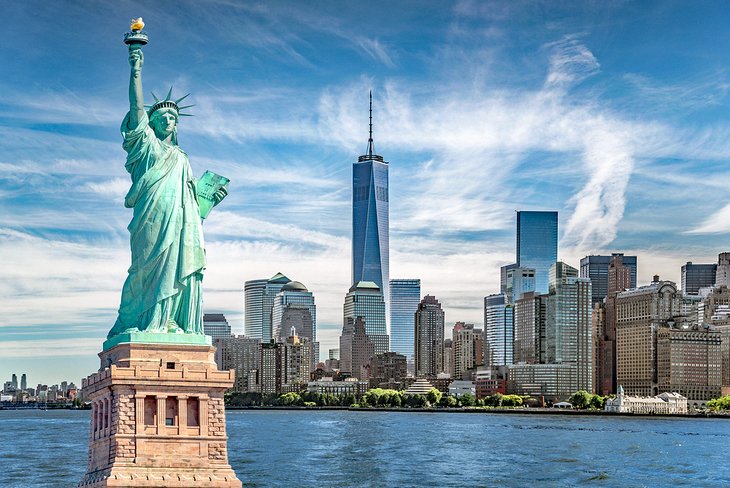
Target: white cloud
717,223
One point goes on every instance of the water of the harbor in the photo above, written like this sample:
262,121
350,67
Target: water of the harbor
391,449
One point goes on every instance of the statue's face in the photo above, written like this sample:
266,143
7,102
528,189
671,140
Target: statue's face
163,122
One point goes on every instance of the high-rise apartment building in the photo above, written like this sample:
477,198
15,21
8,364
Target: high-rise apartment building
405,295
498,330
537,244
530,313
639,312
271,362
216,326
370,227
23,383
365,300
519,281
388,370
258,302
468,348
596,268
569,328
429,338
296,363
696,276
448,357
241,354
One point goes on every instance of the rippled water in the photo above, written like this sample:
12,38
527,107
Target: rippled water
374,449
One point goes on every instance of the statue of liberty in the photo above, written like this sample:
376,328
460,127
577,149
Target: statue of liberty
163,291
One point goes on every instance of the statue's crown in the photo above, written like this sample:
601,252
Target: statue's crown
168,102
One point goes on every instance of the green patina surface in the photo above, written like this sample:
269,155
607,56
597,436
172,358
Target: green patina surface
162,298
157,338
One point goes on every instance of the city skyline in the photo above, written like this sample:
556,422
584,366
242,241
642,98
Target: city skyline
614,116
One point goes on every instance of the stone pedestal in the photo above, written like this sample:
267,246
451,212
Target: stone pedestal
158,418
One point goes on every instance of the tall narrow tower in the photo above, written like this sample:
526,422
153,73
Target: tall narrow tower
370,219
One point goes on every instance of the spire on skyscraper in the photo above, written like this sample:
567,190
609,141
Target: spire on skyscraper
371,156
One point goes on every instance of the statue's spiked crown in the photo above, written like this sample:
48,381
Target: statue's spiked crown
168,102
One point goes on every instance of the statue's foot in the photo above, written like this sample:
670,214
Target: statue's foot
173,328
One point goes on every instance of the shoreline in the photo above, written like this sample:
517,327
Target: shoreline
470,410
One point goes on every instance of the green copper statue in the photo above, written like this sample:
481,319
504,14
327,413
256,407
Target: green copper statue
163,292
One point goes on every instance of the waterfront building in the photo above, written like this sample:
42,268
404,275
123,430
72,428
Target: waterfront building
258,303
366,301
554,382
638,314
14,381
530,313
468,350
271,366
518,282
487,383
537,244
498,330
356,347
370,227
459,388
23,383
666,403
216,326
388,370
696,276
405,295
329,386
429,337
569,329
689,361
597,269
241,354
722,274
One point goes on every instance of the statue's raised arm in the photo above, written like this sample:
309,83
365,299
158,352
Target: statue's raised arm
136,98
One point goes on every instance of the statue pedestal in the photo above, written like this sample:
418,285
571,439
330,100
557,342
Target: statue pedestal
158,418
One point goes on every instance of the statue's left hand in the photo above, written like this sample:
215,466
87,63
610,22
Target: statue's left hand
219,195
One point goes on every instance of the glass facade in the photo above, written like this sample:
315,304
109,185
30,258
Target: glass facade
519,282
259,298
696,276
216,326
596,268
370,223
365,300
292,297
537,244
499,331
405,296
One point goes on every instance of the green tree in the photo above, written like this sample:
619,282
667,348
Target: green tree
493,400
719,404
467,400
512,401
433,396
598,402
580,399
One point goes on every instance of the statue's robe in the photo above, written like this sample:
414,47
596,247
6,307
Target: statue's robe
162,292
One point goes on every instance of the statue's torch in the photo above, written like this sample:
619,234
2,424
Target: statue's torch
136,37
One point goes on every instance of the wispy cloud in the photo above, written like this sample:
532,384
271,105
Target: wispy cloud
718,223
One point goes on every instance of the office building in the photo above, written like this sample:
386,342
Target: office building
23,383
696,276
240,353
259,298
519,281
498,330
722,276
271,361
537,244
596,268
294,307
370,228
388,370
216,326
296,363
365,301
639,312
448,358
405,295
503,271
356,348
429,339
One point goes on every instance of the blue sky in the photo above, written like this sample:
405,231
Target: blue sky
613,113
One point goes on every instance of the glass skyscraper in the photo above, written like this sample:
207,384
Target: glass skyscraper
258,302
370,219
696,276
216,326
405,295
596,268
537,244
499,330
